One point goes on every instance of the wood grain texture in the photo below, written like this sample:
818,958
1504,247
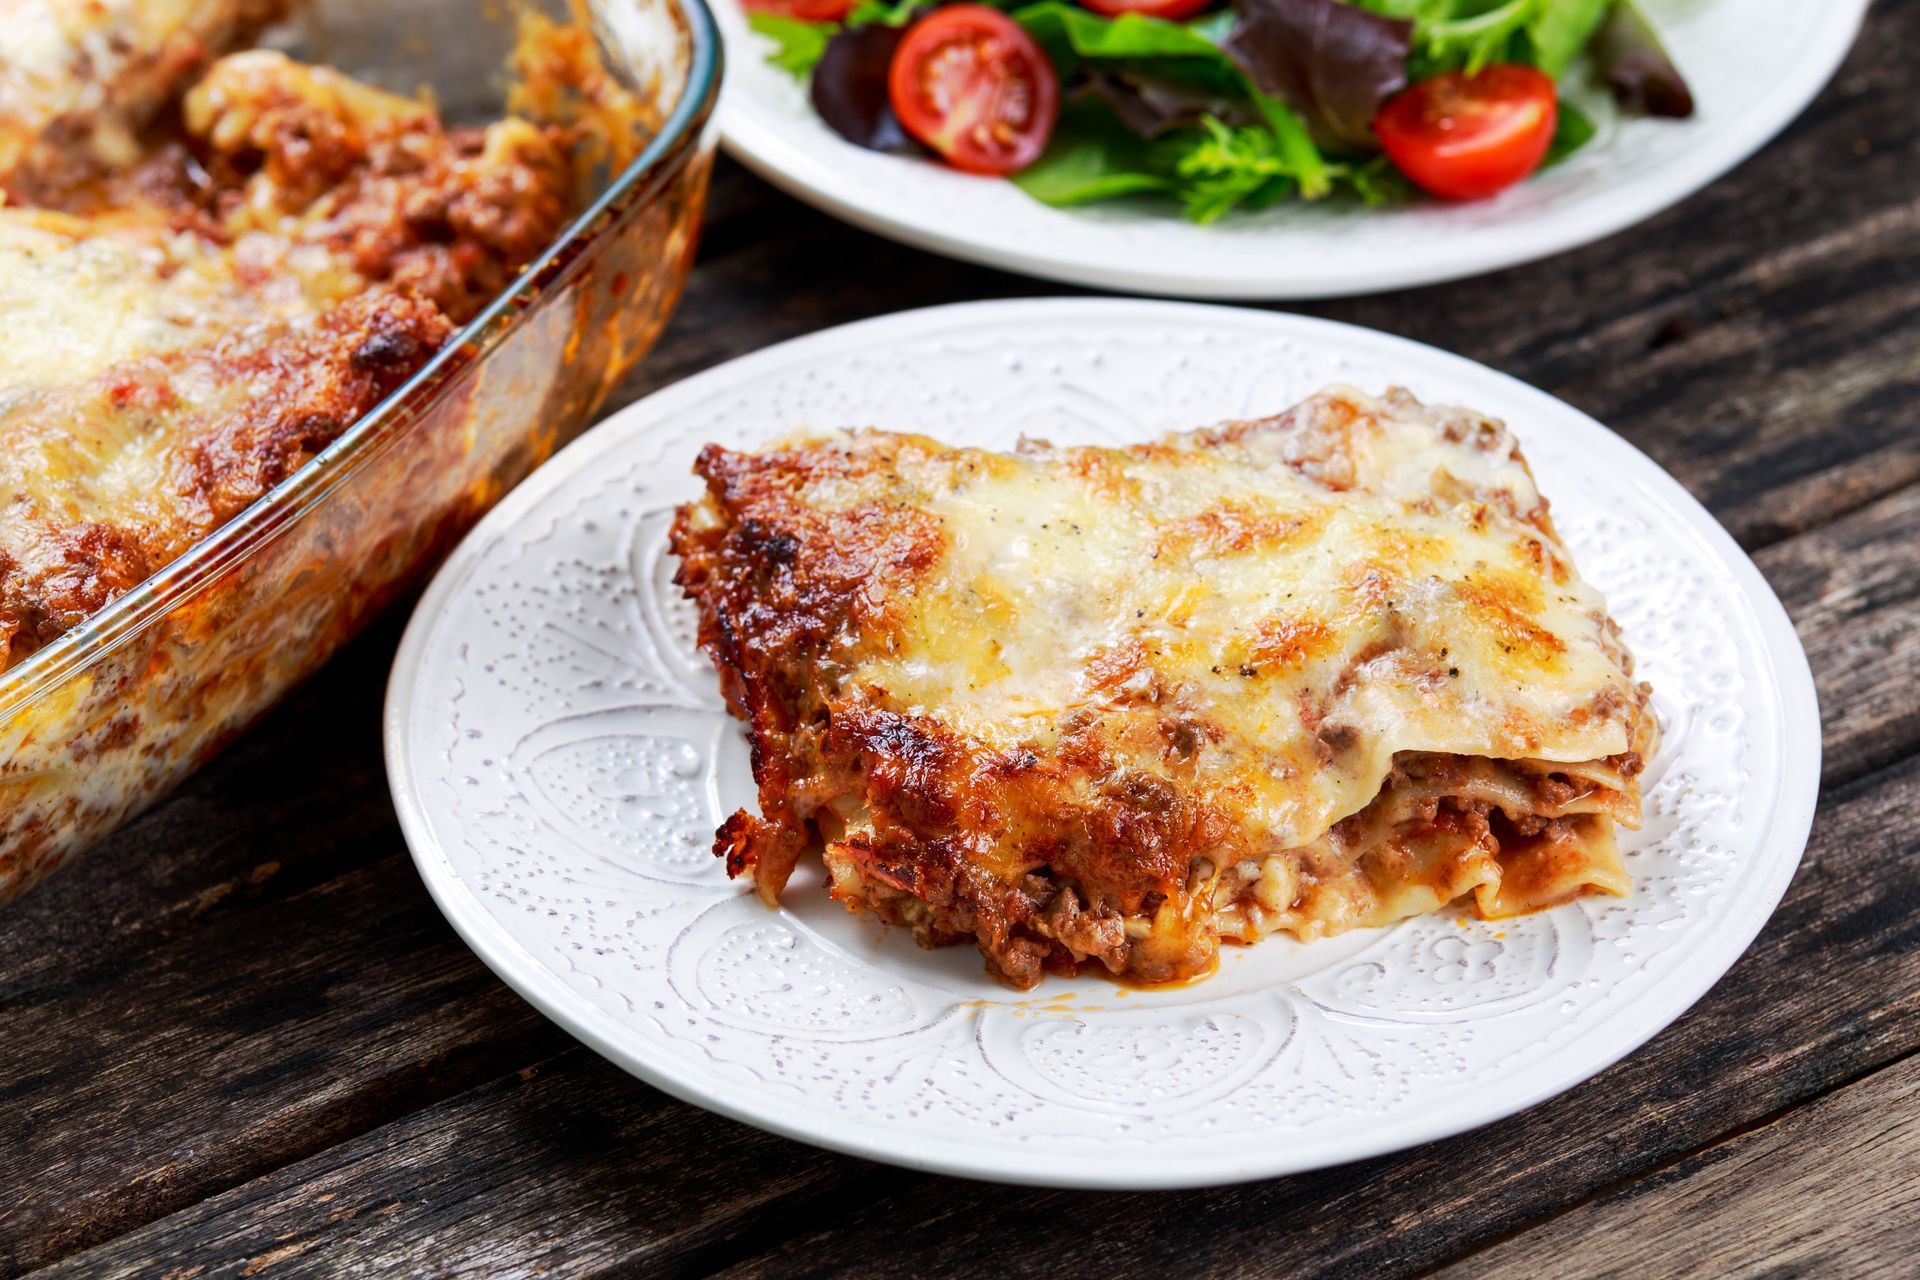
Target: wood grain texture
564,1168
238,1037
248,974
1853,590
1832,1188
234,838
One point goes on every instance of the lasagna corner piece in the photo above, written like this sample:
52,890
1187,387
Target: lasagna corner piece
214,260
1310,673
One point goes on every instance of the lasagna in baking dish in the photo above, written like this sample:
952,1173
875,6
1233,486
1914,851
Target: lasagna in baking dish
213,259
1112,706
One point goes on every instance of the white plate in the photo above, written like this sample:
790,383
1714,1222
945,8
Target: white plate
1752,64
560,759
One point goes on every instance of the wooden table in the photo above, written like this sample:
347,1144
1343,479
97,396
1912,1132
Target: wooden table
239,1039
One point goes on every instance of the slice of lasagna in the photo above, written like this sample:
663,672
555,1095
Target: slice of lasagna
1310,673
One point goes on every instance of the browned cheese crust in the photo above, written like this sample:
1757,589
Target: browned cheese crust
288,245
1126,825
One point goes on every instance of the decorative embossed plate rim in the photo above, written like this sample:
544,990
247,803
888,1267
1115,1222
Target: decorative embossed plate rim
1753,66
558,758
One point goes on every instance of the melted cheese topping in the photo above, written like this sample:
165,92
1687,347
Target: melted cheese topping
78,296
101,68
1413,599
209,268
1112,706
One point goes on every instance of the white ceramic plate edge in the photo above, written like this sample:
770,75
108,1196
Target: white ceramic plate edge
1792,692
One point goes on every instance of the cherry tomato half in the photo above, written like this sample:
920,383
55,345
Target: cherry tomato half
1170,10
805,10
1464,137
968,82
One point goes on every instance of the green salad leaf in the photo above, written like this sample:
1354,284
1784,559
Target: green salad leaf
1468,42
1305,164
1162,109
1573,130
1228,169
1073,37
1211,169
1466,35
897,14
1332,63
1557,34
1378,183
1093,156
797,44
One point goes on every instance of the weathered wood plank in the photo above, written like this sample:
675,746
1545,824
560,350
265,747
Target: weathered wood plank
783,271
1853,590
248,974
738,205
1832,1188
267,819
585,1170
1830,990
232,1051
569,1168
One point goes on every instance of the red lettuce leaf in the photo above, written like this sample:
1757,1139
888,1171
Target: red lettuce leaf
1332,63
849,88
1636,67
1154,105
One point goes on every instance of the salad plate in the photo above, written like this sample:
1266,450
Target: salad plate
1751,65
560,758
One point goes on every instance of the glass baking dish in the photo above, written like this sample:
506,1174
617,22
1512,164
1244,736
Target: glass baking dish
99,723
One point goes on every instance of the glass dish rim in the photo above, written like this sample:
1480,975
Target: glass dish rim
122,619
